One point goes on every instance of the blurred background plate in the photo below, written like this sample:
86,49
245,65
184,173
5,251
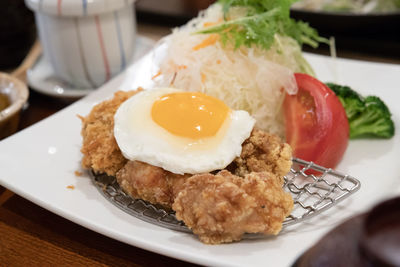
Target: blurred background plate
372,37
346,22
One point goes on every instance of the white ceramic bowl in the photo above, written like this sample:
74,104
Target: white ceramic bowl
17,94
86,42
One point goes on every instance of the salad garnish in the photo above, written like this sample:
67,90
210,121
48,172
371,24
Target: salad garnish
261,24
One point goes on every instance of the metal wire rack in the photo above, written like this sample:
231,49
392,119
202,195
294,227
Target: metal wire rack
313,188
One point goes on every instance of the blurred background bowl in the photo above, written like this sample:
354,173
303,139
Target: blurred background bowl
16,94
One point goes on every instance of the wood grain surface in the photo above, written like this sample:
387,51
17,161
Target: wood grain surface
33,236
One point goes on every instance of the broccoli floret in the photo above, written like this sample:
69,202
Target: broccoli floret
351,100
368,117
374,121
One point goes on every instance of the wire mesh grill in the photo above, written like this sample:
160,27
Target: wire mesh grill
313,188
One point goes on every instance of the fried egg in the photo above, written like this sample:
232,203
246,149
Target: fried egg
181,132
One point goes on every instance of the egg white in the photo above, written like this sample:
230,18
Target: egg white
140,138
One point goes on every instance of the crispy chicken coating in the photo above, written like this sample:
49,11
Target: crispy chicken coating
247,197
260,152
263,152
150,183
100,150
221,208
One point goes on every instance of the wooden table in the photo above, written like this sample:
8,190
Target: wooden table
33,236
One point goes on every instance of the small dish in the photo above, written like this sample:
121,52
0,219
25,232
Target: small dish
380,239
17,94
41,77
368,239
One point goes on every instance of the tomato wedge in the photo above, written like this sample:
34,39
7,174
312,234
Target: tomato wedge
316,123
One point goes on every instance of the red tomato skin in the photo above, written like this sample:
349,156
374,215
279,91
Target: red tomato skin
323,136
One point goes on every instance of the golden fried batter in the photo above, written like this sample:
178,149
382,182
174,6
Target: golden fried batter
263,152
221,208
218,208
100,150
150,183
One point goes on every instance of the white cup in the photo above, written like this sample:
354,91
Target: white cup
87,42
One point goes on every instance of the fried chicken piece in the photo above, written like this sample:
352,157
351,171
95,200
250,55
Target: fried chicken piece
100,150
263,152
151,183
260,152
221,208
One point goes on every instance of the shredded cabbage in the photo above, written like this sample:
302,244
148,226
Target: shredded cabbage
250,79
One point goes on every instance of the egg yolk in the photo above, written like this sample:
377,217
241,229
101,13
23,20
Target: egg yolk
190,114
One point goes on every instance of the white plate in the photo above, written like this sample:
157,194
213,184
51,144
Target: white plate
42,79
39,163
